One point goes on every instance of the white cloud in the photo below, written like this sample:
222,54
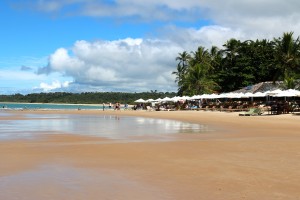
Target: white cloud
53,86
128,64
253,18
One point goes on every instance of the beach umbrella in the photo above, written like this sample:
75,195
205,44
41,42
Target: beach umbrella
234,95
223,95
259,94
158,100
247,95
167,99
273,92
195,97
180,99
288,93
150,100
185,98
214,96
140,101
205,96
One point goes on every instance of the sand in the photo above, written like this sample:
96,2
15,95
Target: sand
246,157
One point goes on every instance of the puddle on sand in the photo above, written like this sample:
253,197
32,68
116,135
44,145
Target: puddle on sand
65,183
110,127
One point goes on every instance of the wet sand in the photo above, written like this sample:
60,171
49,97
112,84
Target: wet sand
256,157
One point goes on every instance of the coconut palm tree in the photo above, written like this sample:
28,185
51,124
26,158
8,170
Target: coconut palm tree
198,82
182,66
183,59
197,79
287,56
201,56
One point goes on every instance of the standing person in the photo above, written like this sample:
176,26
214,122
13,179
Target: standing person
103,106
109,106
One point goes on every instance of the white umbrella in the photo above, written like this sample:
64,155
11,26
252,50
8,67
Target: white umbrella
287,93
234,95
167,99
223,95
247,95
195,97
150,100
181,99
158,100
274,92
140,101
259,94
214,96
205,96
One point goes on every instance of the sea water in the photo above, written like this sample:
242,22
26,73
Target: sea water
48,106
104,126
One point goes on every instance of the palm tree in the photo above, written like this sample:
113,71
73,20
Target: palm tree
231,50
197,81
182,67
287,56
183,59
201,56
197,77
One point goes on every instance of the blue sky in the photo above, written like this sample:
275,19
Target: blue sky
122,45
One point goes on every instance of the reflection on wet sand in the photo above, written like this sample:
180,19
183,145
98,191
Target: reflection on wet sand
106,126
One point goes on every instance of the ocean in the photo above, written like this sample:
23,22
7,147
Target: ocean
48,106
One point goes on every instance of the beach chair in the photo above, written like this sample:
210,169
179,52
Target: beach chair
252,112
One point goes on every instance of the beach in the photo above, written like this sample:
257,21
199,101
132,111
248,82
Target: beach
244,157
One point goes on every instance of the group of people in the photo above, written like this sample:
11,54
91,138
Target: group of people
116,106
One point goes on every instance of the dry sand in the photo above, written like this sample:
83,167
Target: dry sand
256,157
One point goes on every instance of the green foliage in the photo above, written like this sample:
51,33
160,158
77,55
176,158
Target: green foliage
238,65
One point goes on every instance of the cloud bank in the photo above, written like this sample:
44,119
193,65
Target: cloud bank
250,17
123,65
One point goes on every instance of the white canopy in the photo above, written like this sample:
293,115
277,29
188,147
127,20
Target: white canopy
273,92
167,99
288,93
150,100
259,94
140,101
233,95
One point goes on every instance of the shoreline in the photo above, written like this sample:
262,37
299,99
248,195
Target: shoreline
247,157
73,104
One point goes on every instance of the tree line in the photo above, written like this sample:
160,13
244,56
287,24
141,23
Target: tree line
84,98
239,64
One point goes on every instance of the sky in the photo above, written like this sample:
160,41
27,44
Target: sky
123,45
